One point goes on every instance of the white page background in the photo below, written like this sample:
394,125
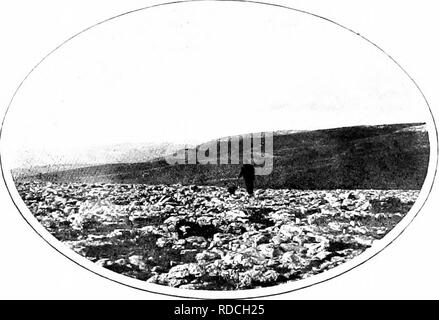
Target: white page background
407,269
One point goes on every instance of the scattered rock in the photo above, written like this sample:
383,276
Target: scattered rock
206,237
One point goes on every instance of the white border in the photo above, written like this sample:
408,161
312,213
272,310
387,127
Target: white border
278,289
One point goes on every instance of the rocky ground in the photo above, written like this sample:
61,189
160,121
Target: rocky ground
205,238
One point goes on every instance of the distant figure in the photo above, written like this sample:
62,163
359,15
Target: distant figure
248,173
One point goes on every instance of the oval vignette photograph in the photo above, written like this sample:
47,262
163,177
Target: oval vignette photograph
208,146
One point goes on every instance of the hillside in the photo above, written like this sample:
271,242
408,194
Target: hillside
36,160
363,157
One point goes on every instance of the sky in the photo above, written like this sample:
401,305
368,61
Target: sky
197,71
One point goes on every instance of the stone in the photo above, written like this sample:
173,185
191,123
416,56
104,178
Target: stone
322,255
103,262
260,238
290,230
288,257
292,247
267,250
207,255
179,271
137,261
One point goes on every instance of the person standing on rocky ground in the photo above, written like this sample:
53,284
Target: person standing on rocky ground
248,173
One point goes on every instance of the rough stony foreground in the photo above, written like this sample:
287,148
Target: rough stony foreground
205,238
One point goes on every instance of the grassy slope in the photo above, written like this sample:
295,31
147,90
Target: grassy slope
362,157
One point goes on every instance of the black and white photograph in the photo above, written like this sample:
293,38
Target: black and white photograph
218,148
